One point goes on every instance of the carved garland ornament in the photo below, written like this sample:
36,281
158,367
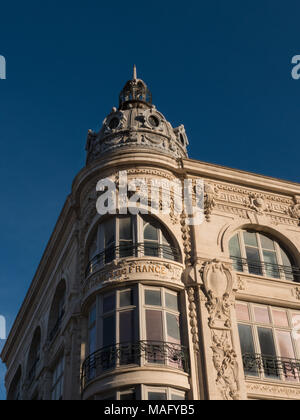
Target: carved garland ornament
219,288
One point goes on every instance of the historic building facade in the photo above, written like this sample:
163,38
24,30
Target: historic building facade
147,306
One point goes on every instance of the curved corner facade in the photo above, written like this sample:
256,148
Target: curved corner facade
147,306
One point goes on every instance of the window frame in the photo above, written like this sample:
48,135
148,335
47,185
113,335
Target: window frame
263,264
60,378
254,325
97,240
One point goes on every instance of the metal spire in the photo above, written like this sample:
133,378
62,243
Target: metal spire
134,72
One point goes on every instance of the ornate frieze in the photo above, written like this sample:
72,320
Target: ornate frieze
242,202
264,390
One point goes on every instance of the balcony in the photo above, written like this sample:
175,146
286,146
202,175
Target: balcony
271,367
139,353
136,250
289,273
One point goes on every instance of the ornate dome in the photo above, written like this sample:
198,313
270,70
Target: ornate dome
136,124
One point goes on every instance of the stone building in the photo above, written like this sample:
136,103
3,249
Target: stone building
147,306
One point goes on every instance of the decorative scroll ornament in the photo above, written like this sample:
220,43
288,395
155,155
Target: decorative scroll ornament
209,200
218,283
225,362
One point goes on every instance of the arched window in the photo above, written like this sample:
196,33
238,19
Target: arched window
34,355
14,393
57,310
129,236
258,253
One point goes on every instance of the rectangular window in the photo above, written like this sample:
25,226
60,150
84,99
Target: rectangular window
270,333
125,237
248,350
268,352
154,325
58,380
254,264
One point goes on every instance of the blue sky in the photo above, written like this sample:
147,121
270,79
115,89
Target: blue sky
222,68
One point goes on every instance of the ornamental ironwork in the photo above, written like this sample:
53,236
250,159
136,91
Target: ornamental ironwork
138,354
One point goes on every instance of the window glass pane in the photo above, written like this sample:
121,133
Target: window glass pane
154,325
128,396
109,303
268,352
246,339
92,317
153,297
288,270
109,232
296,330
159,396
247,348
250,239
177,397
280,318
151,233
234,247
285,344
92,340
126,327
254,264
266,242
266,341
172,301
271,262
261,314
125,228
151,249
108,331
173,330
285,259
126,298
235,253
242,312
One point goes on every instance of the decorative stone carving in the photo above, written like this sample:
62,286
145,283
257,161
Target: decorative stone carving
193,317
257,203
218,283
294,209
219,288
209,200
225,362
297,292
137,123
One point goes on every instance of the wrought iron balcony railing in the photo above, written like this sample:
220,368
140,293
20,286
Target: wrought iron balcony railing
271,367
260,268
138,353
132,250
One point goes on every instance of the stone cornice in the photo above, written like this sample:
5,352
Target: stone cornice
239,177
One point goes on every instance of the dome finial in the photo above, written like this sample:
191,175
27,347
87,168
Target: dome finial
134,72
